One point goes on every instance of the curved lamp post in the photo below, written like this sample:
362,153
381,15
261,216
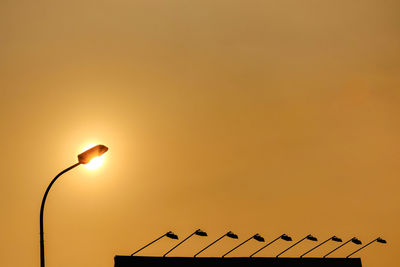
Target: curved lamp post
355,240
83,158
197,232
284,237
228,234
379,240
333,238
167,234
309,237
256,237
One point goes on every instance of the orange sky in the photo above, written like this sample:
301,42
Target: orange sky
251,116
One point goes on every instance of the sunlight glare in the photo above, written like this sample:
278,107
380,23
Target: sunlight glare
95,163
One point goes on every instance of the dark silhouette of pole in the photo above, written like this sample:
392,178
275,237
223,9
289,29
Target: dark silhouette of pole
42,263
334,238
284,237
379,240
197,232
83,158
256,237
309,237
355,240
168,234
228,234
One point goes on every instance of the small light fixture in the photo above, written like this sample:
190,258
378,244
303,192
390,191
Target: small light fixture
355,240
168,234
197,232
257,237
228,234
308,237
333,238
283,237
379,240
171,235
286,237
200,233
231,235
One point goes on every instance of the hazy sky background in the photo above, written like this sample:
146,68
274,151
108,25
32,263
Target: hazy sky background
252,116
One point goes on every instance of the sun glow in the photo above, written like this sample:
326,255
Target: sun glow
95,163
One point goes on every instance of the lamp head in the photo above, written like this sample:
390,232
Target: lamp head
312,238
200,232
171,235
286,237
355,240
231,235
258,238
91,153
380,240
337,239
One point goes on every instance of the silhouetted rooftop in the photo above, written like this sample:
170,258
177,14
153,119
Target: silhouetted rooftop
130,261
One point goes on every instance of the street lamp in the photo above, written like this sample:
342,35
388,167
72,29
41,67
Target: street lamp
333,238
309,237
283,237
197,232
83,158
228,234
355,240
167,234
379,240
256,237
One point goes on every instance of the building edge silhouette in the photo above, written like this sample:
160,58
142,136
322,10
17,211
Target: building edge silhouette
130,261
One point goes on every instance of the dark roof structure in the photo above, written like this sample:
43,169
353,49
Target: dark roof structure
134,261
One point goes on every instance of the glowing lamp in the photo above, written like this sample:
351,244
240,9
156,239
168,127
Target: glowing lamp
83,158
92,153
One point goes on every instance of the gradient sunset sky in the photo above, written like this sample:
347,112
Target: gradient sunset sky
252,116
